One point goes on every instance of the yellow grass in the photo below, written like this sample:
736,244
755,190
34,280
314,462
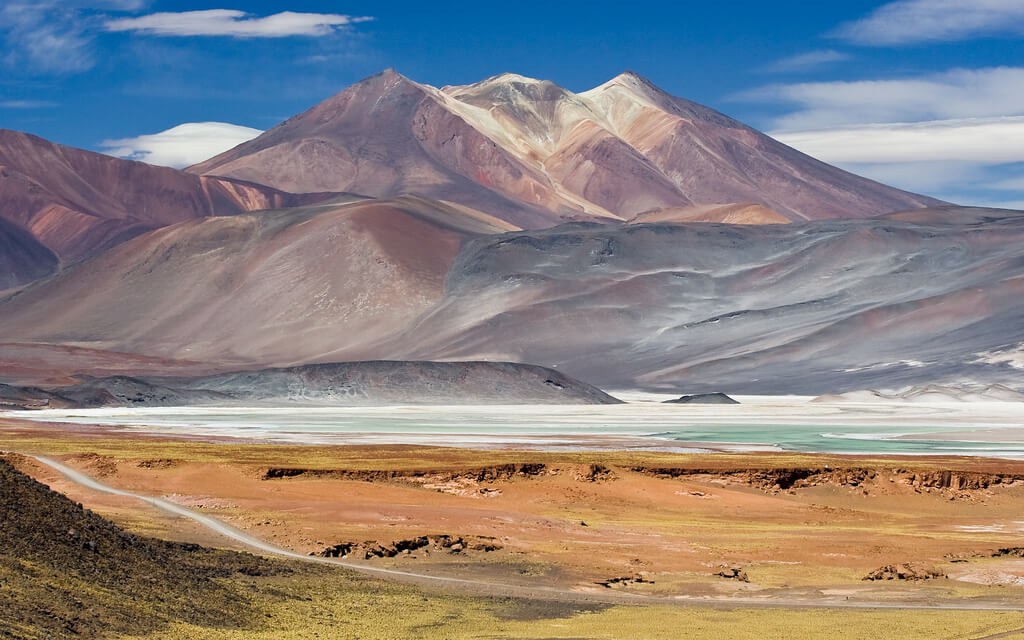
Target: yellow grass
340,607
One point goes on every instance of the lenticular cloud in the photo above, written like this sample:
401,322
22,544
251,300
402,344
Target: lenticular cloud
183,145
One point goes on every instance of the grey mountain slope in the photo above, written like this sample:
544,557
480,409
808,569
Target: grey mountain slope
331,384
809,308
806,308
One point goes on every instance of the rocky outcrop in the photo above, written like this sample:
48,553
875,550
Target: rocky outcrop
703,398
782,479
593,473
1003,552
637,578
482,474
424,544
1011,552
733,573
905,571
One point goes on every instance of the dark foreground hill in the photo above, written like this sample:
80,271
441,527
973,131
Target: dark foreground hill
65,572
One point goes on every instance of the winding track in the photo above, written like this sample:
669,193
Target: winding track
497,589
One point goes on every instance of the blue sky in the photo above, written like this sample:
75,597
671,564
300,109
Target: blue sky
923,94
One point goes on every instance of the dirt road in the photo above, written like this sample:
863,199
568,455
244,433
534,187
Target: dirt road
486,588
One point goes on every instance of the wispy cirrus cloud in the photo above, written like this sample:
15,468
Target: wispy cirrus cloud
808,61
59,36
957,134
958,160
1011,184
183,145
234,23
27,104
53,36
908,22
977,140
957,93
970,161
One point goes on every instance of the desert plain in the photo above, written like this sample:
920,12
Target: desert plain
527,541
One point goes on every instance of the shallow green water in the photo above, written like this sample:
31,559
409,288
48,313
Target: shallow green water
995,430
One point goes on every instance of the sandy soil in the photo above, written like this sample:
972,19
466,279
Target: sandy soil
576,520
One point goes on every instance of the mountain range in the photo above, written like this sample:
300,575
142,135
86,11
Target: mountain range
536,154
621,235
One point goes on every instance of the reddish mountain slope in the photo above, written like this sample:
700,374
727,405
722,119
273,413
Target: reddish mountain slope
735,213
536,154
77,203
780,308
389,136
276,287
22,258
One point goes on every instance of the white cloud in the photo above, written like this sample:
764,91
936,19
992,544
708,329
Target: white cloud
233,23
958,93
807,61
183,145
970,161
956,135
26,104
52,36
917,21
44,36
975,140
1010,184
941,179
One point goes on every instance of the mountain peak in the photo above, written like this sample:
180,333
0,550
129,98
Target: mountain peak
509,89
533,151
512,77
391,72
505,84
632,77
632,83
388,77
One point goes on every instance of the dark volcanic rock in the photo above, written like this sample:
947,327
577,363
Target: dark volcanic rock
400,382
343,384
12,397
703,398
125,391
